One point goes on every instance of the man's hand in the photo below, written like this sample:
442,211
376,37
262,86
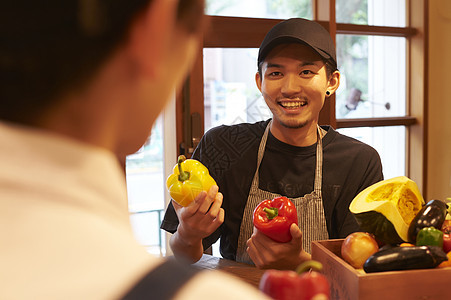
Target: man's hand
269,254
202,217
197,221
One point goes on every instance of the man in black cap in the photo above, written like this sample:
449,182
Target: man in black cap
290,155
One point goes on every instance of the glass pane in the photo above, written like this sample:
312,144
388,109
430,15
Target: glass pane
275,9
231,95
146,188
146,228
389,141
373,76
372,12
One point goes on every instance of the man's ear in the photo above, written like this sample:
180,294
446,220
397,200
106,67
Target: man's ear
334,82
258,81
150,33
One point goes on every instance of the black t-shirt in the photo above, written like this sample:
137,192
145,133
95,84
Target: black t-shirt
230,154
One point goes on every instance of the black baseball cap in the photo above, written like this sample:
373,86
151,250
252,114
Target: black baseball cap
298,30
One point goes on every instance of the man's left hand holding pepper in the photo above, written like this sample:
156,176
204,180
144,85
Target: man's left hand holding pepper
269,254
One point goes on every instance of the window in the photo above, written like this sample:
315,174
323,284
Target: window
230,93
373,83
146,173
145,188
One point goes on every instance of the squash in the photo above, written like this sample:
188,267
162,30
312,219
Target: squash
387,208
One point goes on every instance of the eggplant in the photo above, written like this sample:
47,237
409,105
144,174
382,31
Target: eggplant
405,258
432,214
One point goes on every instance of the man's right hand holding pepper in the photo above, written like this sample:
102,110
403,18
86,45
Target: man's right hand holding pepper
196,221
269,254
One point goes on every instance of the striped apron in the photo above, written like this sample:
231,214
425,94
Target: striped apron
312,221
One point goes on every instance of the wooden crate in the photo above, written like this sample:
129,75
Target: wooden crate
349,283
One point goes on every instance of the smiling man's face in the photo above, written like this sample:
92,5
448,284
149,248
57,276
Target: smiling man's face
293,83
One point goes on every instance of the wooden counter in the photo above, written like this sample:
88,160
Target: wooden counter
248,273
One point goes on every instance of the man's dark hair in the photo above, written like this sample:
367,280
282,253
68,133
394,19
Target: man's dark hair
50,47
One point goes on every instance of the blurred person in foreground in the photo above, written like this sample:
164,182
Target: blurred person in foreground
317,168
81,83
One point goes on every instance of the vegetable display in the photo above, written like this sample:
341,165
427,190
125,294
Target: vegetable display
411,234
433,214
386,208
274,218
405,258
296,285
189,178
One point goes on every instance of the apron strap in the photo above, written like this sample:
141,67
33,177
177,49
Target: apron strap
261,152
319,162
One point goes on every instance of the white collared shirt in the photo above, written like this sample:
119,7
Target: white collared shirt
64,219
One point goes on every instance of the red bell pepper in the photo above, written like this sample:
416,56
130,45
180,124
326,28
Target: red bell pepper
274,218
292,285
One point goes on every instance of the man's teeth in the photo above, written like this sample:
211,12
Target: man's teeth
293,104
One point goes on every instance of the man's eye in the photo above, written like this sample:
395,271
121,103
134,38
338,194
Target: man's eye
306,72
276,73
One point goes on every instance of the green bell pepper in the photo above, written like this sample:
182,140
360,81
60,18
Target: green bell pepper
430,236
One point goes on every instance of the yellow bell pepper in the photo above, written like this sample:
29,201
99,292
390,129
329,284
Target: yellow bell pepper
189,178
